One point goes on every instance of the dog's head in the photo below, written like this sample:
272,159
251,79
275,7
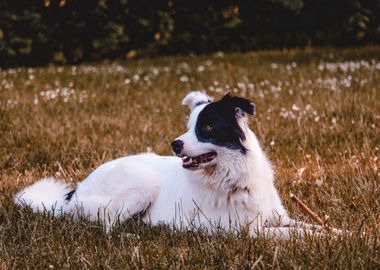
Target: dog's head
214,127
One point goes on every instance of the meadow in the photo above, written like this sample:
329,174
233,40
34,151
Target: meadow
318,119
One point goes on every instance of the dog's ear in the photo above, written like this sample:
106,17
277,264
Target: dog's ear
241,106
196,98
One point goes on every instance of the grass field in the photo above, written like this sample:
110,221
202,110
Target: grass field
318,118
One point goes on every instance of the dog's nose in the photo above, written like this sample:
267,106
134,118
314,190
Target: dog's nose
177,146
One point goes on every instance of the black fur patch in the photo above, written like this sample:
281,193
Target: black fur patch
69,195
217,122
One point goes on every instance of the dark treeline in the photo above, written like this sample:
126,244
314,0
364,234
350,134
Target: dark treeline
71,31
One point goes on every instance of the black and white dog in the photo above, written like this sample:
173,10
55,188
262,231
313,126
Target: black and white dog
220,178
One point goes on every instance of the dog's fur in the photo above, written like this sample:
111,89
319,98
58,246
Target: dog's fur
232,187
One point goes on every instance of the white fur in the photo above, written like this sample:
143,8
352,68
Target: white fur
196,98
238,192
53,192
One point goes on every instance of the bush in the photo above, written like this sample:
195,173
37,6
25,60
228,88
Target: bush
72,31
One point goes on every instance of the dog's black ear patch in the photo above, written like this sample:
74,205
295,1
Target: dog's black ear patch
238,102
223,118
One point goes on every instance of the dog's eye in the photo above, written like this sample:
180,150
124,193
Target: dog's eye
207,128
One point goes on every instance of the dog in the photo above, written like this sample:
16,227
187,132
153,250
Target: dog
219,178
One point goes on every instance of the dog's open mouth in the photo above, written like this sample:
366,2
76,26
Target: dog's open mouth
195,162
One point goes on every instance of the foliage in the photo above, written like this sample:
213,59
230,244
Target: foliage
72,31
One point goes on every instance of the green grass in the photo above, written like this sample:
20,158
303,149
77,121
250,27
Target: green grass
318,118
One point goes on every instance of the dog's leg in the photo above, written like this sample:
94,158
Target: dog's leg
299,224
318,228
118,206
285,233
135,201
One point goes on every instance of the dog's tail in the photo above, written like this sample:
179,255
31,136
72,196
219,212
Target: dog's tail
48,194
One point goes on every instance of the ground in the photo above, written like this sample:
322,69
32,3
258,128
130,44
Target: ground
318,118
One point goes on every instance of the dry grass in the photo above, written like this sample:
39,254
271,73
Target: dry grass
318,117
